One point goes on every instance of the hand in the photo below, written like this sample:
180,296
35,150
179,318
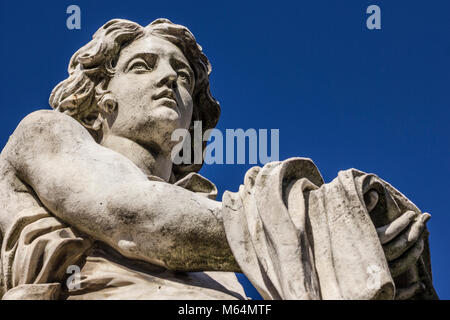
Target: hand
402,243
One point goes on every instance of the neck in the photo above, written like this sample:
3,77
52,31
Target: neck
151,162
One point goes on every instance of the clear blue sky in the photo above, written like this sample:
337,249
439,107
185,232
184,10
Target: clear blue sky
339,93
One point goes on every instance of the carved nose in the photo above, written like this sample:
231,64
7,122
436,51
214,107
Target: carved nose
169,80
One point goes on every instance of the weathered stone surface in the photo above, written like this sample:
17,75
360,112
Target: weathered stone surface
92,184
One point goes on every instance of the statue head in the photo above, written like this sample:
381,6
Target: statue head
140,83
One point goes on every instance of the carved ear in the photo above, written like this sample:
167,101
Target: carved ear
107,102
106,105
93,120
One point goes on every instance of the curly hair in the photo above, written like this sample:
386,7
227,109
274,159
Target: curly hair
83,95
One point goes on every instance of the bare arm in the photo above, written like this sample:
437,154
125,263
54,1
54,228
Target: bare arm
106,196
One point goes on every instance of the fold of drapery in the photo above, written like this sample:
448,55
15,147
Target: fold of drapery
296,237
35,254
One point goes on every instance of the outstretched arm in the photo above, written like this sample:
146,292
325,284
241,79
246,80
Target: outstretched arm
104,195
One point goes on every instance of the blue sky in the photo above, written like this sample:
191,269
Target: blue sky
340,94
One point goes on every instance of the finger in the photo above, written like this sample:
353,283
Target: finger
371,199
400,265
409,292
390,231
405,240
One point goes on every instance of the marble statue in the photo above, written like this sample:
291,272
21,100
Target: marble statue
91,184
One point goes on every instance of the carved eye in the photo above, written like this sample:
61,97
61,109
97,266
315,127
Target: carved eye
184,76
140,66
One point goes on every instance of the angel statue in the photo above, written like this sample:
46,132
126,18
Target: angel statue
91,186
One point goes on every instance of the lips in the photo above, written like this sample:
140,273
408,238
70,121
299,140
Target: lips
167,98
169,94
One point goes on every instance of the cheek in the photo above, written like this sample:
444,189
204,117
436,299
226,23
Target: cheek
131,90
186,112
130,97
186,98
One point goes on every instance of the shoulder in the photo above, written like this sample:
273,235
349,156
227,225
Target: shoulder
48,122
43,131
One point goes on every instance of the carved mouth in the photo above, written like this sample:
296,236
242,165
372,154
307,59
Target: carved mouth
168,102
168,99
168,94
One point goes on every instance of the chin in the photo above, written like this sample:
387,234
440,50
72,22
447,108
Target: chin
165,114
161,121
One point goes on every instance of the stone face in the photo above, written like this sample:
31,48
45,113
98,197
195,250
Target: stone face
91,185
